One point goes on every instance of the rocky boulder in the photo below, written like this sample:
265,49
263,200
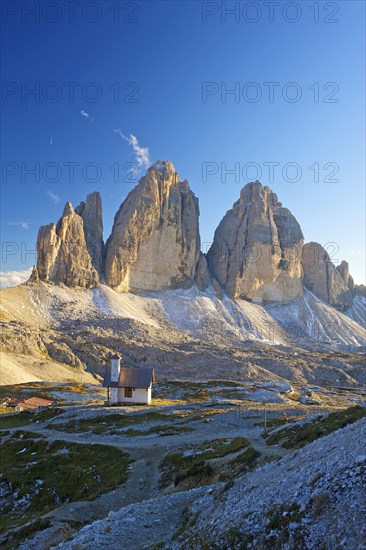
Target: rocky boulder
256,253
322,277
155,242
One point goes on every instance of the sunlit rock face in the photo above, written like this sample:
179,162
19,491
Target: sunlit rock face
324,279
91,212
256,253
343,270
155,242
66,253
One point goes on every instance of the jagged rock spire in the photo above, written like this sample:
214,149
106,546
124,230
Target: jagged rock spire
64,251
323,278
155,241
256,252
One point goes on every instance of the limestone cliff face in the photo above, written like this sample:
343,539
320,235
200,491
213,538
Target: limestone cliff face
91,212
360,289
256,253
343,270
63,255
323,278
48,244
202,278
155,242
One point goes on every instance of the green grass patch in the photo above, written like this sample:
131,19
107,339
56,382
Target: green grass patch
24,418
38,475
20,434
193,392
162,430
190,392
235,538
43,390
275,422
74,387
247,459
76,524
188,521
239,465
282,515
30,389
278,529
174,463
106,423
26,532
295,437
14,389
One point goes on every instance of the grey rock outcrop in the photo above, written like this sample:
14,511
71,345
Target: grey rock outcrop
91,212
155,242
62,252
322,277
34,277
343,270
256,253
202,278
361,289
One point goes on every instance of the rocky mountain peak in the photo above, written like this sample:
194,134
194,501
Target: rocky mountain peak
165,168
257,191
91,213
68,210
164,176
155,238
257,253
62,252
343,270
257,246
323,278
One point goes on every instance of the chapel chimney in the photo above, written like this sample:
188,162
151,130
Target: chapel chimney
115,368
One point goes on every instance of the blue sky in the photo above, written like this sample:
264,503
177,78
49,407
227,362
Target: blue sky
162,55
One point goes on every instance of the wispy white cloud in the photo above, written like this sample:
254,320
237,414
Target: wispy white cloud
22,225
54,198
355,252
86,115
142,155
12,278
51,140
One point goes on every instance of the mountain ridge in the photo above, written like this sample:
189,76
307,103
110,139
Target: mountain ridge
181,333
258,252
150,293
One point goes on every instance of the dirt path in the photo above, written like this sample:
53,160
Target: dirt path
143,479
218,427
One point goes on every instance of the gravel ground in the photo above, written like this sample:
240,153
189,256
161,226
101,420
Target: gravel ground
142,482
319,490
137,526
322,467
325,482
